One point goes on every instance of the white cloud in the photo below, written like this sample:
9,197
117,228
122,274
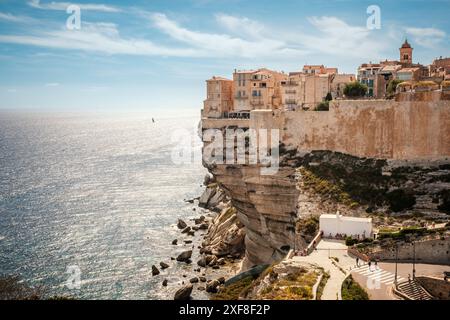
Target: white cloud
52,84
242,37
14,18
334,36
96,37
222,45
426,37
242,26
64,5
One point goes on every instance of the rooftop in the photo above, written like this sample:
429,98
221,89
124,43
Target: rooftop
218,78
406,44
347,218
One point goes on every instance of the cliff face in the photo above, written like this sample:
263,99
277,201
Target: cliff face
322,182
356,158
266,205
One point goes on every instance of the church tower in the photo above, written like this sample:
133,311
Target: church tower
406,53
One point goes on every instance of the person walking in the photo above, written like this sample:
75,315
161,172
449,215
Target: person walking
357,261
376,264
370,265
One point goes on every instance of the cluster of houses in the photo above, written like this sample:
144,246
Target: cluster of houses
376,76
305,89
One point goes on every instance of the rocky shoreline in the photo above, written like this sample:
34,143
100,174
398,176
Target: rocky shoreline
213,243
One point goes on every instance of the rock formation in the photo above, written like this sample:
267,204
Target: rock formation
319,182
184,293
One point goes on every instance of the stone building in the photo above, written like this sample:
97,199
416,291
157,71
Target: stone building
308,88
336,224
368,75
303,90
406,54
378,75
257,89
440,69
339,82
219,97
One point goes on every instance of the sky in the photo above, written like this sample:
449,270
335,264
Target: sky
156,54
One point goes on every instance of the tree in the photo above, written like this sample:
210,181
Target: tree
392,86
355,89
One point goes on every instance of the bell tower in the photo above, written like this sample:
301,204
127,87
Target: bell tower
406,53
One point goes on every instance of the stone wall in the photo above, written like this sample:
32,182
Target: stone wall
431,251
438,288
210,123
385,129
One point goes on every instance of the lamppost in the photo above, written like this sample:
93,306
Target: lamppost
396,261
414,260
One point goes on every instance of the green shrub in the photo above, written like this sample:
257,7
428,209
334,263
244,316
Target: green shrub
233,291
322,284
351,290
349,241
400,200
355,89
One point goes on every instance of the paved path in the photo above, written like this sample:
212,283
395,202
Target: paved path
322,257
377,281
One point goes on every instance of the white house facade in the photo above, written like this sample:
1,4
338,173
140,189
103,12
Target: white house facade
336,224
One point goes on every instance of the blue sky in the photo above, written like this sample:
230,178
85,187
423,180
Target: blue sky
155,54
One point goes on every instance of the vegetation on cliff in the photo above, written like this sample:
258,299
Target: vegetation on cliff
373,182
325,188
294,286
233,291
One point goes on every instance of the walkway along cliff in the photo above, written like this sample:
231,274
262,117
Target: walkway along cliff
364,156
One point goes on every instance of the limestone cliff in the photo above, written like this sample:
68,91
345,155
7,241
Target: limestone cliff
266,206
382,157
321,182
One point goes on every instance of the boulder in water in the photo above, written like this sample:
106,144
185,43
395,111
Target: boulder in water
181,224
155,270
184,293
184,256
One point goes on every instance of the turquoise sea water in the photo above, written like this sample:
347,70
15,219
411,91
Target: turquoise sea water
98,192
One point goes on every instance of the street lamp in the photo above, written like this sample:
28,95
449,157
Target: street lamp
396,260
414,260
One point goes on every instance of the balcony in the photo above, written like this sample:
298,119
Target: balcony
290,101
240,97
257,102
290,91
289,83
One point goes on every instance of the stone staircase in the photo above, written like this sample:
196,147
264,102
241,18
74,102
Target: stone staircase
413,290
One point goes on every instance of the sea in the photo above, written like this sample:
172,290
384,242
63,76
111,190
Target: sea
89,202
